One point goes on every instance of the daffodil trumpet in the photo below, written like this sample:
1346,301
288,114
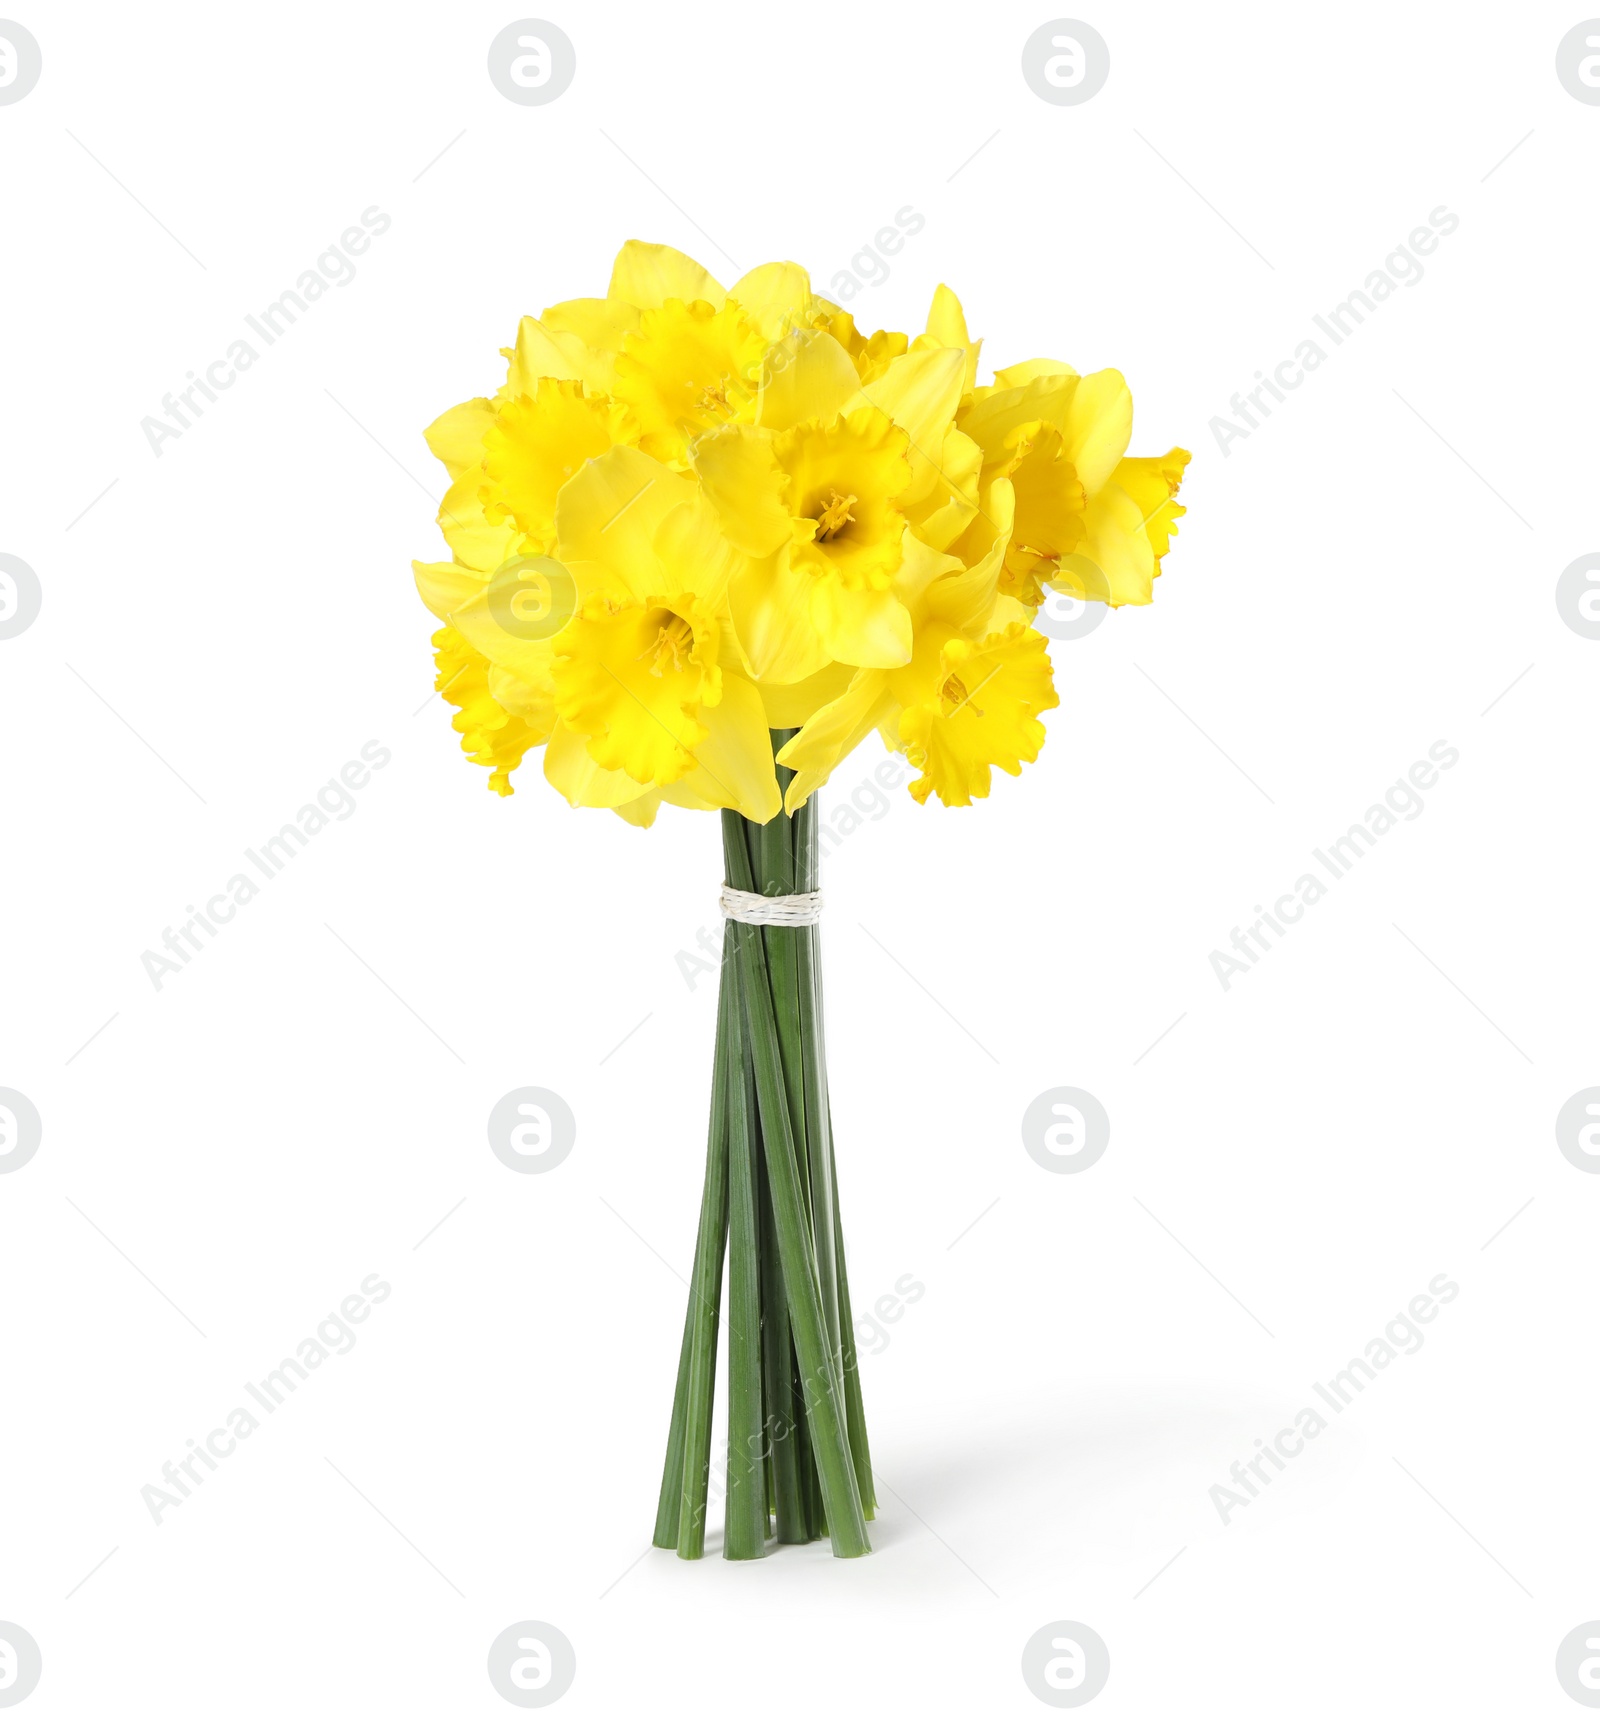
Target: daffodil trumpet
703,542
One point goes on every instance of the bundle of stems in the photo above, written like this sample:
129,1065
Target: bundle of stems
798,1465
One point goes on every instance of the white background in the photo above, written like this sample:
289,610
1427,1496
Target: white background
1289,1165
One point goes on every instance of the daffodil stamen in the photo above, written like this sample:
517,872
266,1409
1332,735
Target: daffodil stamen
835,517
671,649
714,398
954,693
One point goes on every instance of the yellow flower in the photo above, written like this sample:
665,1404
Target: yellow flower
968,699
491,735
686,369
1057,438
869,354
649,691
820,493
535,445
691,514
840,483
1128,528
967,707
632,675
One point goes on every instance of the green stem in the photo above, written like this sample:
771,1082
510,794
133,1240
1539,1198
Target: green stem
782,1438
745,1523
820,1381
671,1497
855,1411
685,1476
818,1138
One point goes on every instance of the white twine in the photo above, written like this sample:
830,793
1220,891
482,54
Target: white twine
787,911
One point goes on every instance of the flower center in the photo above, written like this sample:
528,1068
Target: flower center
954,696
671,649
835,516
714,398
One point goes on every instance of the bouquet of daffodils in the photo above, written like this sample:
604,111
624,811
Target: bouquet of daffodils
704,541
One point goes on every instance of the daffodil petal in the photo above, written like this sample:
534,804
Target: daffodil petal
609,513
694,556
944,514
681,798
532,703
581,780
864,626
770,601
1115,542
742,479
647,275
541,353
1026,371
444,587
920,393
775,296
456,437
1152,482
1097,427
920,567
947,328
966,597
528,660
733,762
812,383
475,540
790,705
599,325
832,733
641,813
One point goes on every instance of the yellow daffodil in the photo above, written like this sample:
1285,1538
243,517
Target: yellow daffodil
687,369
534,446
968,699
693,514
491,734
647,674
1128,528
969,706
